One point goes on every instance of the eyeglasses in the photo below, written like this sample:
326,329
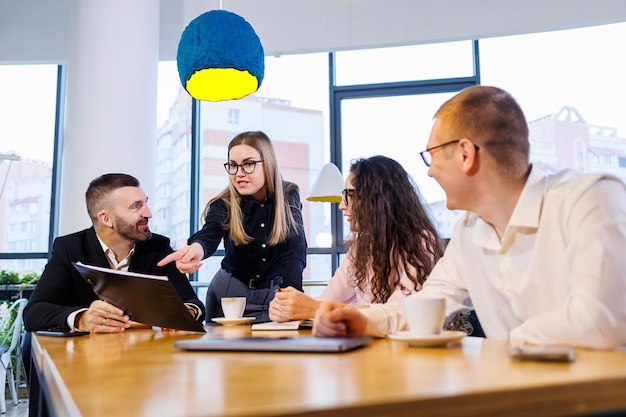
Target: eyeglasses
427,155
247,166
347,194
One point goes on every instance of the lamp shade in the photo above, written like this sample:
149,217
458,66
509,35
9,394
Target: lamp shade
220,57
328,185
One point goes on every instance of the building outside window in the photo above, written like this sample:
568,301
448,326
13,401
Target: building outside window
26,156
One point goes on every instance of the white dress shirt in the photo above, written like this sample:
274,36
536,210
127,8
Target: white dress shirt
557,276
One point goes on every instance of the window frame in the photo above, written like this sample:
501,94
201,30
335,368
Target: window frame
56,172
377,90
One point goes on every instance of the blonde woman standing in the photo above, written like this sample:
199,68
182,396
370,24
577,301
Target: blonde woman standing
259,217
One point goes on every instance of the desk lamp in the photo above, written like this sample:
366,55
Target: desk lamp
328,185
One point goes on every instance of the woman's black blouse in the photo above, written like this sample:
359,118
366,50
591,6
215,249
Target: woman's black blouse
257,259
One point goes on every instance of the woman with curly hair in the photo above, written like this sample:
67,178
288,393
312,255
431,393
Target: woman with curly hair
393,248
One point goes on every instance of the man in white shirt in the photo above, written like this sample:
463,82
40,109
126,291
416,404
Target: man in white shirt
540,259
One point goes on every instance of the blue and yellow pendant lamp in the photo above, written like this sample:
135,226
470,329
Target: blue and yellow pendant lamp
220,57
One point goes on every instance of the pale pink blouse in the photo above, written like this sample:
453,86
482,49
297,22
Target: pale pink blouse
339,288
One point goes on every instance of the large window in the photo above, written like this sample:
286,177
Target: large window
393,117
292,111
382,102
171,204
28,97
326,107
397,127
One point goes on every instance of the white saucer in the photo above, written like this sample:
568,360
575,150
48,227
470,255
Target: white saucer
232,322
428,340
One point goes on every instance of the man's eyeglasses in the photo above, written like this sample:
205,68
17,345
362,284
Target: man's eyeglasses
347,194
247,166
427,155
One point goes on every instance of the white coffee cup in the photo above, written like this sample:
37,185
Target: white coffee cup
425,316
233,307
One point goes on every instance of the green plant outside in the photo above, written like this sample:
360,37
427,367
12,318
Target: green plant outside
10,277
30,279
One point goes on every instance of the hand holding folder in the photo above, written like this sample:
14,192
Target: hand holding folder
148,299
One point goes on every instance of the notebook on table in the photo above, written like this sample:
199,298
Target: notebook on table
288,325
274,344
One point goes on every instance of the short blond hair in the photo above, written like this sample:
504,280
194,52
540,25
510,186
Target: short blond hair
491,118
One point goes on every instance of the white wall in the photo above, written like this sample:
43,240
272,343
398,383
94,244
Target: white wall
37,30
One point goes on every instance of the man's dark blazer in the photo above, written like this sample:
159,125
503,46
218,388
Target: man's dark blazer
62,290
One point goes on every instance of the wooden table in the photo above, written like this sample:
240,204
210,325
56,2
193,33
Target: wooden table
140,373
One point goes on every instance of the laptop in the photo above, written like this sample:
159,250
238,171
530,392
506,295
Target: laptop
274,344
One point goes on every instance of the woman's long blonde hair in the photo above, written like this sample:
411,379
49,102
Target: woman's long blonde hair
285,224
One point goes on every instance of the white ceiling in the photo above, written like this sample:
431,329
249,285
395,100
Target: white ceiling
37,30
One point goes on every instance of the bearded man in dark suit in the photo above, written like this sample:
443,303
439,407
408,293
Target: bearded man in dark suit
119,238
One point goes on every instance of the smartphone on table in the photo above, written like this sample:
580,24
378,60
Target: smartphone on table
547,353
58,333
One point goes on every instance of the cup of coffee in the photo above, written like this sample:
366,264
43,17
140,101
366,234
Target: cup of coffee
425,316
233,307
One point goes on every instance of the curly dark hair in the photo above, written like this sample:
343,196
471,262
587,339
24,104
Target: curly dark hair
395,228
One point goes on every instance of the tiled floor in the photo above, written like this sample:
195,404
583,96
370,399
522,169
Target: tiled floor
20,410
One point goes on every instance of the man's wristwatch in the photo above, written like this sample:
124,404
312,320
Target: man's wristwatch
195,309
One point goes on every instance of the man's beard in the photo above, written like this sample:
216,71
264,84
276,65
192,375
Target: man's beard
131,231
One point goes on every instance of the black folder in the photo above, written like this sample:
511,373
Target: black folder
148,299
